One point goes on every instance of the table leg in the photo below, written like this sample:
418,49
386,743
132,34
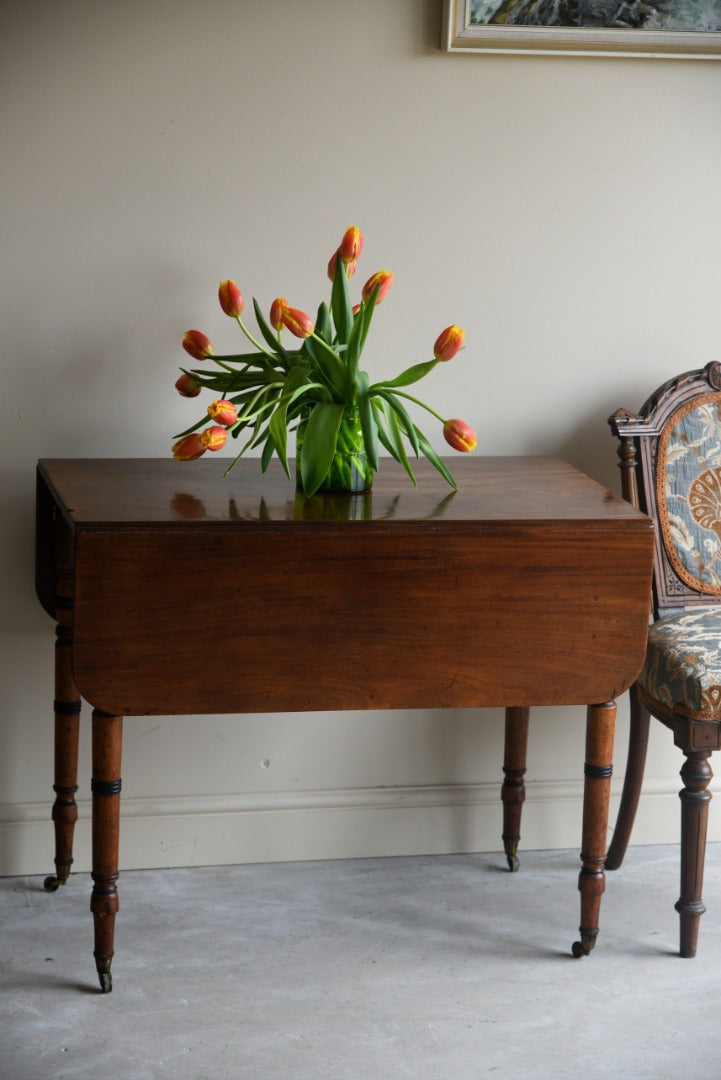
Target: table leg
598,769
67,723
513,790
106,785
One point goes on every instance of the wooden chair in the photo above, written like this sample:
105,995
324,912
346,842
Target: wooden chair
670,461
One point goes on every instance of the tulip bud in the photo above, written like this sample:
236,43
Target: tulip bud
276,312
223,412
188,448
231,299
350,268
213,438
197,344
448,342
460,436
187,386
351,245
298,322
383,279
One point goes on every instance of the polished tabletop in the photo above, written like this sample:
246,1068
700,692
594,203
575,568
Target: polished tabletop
109,491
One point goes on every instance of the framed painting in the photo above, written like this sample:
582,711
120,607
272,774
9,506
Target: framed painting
650,28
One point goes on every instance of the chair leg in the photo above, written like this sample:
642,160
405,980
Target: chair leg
696,775
106,785
635,765
513,791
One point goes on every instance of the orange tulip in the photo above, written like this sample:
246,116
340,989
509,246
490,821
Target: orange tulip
350,268
223,412
276,312
197,344
188,448
213,438
351,245
460,436
187,386
298,322
231,299
448,342
384,280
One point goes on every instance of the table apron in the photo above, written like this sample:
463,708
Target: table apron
259,620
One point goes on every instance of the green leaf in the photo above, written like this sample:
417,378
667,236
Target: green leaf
279,434
340,304
267,453
194,427
294,385
328,365
409,428
267,331
358,334
323,325
368,420
406,378
434,459
319,443
366,314
397,440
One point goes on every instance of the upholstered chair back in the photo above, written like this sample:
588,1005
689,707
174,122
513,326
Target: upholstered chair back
671,467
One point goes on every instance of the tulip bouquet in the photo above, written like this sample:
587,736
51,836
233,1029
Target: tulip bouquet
315,387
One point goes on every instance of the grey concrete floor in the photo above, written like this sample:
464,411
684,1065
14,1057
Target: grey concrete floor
437,968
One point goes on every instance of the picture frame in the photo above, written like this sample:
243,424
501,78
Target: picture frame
462,32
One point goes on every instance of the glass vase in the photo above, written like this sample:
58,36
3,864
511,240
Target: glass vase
350,470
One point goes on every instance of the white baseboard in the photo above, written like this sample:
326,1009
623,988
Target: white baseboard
328,824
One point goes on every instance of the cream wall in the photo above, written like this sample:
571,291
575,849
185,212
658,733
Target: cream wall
565,211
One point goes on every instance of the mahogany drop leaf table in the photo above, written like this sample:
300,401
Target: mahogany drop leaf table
530,585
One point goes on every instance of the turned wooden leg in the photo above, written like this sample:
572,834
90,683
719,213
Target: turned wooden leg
637,747
600,726
106,784
67,723
513,791
696,775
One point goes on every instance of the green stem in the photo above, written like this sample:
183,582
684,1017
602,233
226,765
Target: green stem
253,341
417,401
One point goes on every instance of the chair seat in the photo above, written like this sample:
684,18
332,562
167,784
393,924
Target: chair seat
682,670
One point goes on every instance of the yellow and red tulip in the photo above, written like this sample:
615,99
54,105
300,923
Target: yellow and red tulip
460,436
223,412
448,342
187,385
383,279
351,245
298,322
231,299
276,312
213,438
197,344
189,448
350,268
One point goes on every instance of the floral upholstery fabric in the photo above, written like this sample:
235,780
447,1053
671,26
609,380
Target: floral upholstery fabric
688,477
682,670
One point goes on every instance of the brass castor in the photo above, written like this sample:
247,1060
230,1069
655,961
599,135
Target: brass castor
106,981
513,863
54,881
584,946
